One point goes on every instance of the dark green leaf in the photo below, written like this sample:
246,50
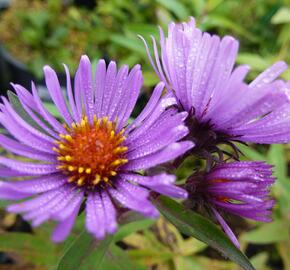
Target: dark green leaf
84,246
192,224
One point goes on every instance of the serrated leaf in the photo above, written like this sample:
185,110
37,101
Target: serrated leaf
84,246
193,224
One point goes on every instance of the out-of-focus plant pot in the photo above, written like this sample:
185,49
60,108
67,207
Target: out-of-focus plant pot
12,70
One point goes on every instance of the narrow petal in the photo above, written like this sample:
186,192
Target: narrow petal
64,227
168,153
126,199
54,89
226,228
95,216
26,167
87,86
110,213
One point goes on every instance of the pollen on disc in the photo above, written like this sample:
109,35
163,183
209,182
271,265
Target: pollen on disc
91,153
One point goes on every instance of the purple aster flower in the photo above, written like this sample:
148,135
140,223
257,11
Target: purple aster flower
240,188
91,155
199,68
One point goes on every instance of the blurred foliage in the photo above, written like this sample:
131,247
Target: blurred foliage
48,32
38,32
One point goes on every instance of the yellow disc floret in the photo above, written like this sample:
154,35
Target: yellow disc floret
91,153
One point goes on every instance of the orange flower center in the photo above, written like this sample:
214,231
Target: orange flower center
92,152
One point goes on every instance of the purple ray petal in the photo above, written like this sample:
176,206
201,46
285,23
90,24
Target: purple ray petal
26,167
109,87
161,183
118,92
168,153
64,227
54,89
226,228
100,81
71,100
9,193
23,150
152,103
143,206
45,114
95,216
110,213
87,86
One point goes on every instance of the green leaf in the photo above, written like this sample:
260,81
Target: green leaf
33,248
255,61
142,29
251,153
192,224
133,44
4,203
117,259
268,233
276,156
281,16
175,7
283,248
260,261
21,112
132,227
214,20
52,109
150,78
84,246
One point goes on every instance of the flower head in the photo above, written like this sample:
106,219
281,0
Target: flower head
240,188
199,68
90,155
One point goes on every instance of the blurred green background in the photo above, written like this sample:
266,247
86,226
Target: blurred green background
34,33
